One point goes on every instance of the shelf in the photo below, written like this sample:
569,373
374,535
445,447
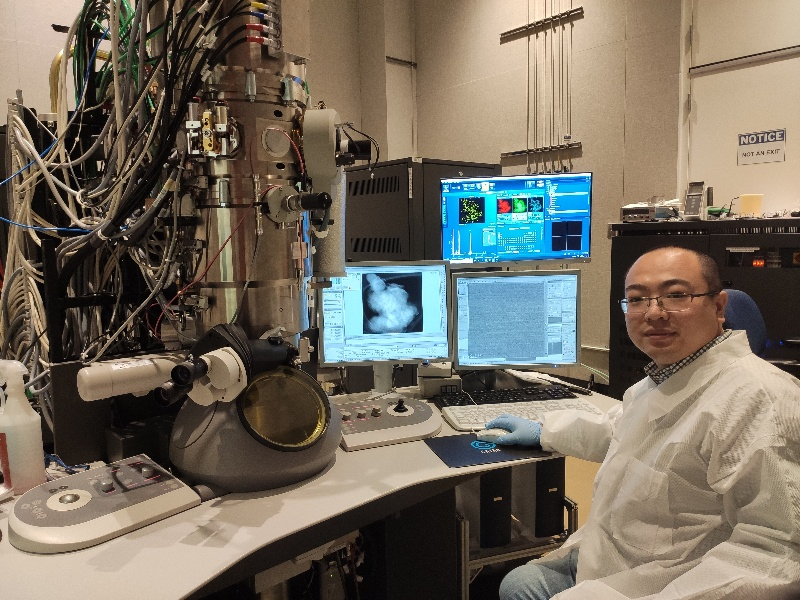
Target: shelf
522,548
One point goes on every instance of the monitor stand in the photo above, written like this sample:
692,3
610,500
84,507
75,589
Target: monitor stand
382,376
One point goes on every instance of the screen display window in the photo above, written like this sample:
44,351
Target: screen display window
517,218
516,319
386,312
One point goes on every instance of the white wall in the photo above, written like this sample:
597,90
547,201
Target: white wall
745,98
28,45
471,104
400,80
386,28
332,70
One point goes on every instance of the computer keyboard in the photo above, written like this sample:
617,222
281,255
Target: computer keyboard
540,392
475,416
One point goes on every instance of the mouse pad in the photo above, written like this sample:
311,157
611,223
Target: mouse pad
465,450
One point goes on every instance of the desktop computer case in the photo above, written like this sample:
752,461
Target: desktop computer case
393,208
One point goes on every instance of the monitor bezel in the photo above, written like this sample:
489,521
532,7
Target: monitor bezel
455,275
405,361
527,263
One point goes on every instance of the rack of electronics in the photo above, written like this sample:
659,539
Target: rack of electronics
760,257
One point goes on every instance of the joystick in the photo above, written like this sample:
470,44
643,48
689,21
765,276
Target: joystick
369,420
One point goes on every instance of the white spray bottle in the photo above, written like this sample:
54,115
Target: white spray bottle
22,428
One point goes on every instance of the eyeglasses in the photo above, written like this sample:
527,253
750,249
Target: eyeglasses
676,302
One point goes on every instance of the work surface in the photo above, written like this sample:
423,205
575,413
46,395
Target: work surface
181,554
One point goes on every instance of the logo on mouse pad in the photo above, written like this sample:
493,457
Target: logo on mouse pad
485,447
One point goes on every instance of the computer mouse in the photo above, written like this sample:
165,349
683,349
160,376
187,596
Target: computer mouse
491,435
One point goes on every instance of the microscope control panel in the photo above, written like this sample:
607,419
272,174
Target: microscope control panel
369,421
94,506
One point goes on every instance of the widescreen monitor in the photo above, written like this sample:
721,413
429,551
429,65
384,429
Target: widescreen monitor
517,218
516,319
386,312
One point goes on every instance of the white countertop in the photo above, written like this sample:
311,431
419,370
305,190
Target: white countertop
178,555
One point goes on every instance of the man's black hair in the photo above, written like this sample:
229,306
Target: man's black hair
708,266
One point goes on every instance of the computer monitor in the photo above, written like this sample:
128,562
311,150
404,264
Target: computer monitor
386,313
517,218
516,319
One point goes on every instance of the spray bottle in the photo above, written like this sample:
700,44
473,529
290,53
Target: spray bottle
22,428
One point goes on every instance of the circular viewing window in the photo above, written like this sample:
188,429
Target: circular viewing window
285,408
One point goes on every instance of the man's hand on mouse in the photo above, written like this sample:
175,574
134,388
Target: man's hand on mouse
520,431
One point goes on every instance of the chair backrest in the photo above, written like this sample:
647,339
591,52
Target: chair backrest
742,313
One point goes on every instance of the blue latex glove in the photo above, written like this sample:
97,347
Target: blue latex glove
520,431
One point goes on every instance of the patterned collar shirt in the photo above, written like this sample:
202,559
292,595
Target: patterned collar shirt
661,375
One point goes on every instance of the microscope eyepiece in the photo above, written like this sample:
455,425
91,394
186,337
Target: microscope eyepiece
188,371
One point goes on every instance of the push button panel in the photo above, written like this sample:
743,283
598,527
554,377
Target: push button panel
84,496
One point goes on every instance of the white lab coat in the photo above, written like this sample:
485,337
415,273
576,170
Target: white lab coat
699,493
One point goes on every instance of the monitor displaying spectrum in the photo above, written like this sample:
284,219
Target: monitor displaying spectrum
517,218
386,312
516,319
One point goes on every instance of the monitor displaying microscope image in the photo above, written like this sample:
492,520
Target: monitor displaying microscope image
516,219
386,312
516,319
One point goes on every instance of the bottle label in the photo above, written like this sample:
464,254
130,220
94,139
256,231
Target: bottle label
6,470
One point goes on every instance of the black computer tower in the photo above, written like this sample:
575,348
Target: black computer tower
550,491
413,553
393,209
495,507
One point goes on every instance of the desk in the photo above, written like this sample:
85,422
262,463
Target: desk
225,540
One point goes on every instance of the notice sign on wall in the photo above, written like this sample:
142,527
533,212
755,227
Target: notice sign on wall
762,147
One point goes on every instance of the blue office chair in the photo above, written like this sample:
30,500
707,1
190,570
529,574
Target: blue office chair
742,313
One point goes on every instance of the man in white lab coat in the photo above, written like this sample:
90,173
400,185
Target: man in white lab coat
698,495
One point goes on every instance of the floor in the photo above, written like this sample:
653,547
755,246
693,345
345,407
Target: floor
485,587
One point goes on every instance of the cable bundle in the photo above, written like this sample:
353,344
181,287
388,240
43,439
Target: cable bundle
103,182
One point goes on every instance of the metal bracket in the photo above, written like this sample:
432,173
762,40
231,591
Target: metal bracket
542,150
546,23
572,515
